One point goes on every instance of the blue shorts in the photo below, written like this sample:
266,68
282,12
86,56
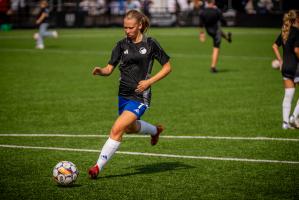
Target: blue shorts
130,105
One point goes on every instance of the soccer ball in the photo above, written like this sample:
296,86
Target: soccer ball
65,173
275,64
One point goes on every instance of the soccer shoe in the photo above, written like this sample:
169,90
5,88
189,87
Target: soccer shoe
229,39
94,171
55,34
40,46
213,70
294,122
155,138
286,126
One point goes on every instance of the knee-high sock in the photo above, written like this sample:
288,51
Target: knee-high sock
147,128
296,110
287,102
109,148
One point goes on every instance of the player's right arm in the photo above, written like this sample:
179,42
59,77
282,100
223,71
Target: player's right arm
201,35
105,71
114,60
275,48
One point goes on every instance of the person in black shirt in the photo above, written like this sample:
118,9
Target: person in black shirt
289,40
211,18
135,55
43,22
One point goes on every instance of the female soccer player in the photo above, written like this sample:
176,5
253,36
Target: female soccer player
211,18
135,55
289,40
43,22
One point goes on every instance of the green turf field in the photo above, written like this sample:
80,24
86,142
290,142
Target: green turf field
245,154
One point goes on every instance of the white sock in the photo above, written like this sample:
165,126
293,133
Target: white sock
296,110
109,148
286,104
147,128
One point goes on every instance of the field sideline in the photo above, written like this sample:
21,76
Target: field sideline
223,136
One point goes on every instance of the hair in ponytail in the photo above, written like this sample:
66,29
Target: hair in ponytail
140,17
288,20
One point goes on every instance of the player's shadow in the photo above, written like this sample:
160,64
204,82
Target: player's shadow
154,168
224,70
69,186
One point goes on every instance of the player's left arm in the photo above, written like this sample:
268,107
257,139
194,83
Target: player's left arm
144,84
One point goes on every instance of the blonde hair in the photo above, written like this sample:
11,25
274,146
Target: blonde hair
288,20
140,17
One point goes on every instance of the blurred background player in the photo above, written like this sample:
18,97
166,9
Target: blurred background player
136,54
289,40
43,22
211,18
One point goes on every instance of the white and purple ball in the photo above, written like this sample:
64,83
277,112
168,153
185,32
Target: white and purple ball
65,173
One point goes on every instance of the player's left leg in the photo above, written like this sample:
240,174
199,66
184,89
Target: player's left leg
215,56
146,128
294,119
227,37
287,102
140,126
39,38
46,33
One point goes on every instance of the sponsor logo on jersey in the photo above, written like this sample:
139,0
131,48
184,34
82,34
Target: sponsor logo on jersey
126,51
142,50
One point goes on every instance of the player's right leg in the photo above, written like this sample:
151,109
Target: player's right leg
215,56
287,101
40,38
113,142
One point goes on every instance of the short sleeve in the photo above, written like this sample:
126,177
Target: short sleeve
46,10
278,40
159,53
221,18
115,55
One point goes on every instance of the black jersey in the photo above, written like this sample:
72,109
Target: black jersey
211,19
290,60
135,64
46,11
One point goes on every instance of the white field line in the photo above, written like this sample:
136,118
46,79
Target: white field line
105,34
162,136
154,154
174,55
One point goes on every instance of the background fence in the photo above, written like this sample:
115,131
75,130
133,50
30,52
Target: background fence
103,13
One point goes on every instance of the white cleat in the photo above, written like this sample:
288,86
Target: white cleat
55,34
294,121
40,46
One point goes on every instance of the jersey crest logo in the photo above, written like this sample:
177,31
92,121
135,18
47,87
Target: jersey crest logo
126,51
142,50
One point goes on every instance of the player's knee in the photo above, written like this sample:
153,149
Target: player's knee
131,129
116,133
